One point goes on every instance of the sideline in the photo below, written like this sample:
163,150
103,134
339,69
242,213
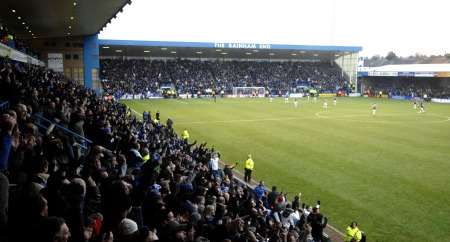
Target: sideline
134,111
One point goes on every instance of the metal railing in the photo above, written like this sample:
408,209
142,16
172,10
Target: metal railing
4,105
45,123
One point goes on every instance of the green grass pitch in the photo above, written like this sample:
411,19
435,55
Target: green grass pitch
389,172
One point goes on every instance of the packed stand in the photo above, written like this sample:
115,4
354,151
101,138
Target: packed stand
138,182
146,77
407,87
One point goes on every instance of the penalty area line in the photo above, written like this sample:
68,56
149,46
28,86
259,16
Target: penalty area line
245,120
183,102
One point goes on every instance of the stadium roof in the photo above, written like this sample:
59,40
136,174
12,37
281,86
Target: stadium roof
410,70
138,48
57,18
413,68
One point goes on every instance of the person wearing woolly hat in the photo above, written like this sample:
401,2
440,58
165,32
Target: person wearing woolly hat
127,227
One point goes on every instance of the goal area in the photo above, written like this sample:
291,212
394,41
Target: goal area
249,91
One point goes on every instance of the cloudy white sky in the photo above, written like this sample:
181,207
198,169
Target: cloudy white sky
406,27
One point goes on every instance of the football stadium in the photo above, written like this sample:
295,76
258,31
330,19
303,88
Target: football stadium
196,121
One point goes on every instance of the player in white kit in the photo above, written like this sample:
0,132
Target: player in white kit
295,102
334,101
325,105
374,109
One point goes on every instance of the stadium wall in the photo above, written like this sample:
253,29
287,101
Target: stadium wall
401,97
440,100
62,55
327,94
91,62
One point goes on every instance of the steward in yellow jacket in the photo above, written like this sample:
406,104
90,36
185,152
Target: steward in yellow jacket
185,135
352,233
248,168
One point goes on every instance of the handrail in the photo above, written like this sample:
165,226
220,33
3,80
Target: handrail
4,106
64,128
83,143
85,147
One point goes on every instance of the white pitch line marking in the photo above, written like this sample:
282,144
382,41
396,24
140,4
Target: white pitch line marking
347,118
134,111
245,120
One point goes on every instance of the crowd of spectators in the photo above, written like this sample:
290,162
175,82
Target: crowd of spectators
406,87
138,181
138,76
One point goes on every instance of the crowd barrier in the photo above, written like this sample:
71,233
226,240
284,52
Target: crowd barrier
327,95
440,100
356,94
138,96
400,97
296,95
4,106
45,124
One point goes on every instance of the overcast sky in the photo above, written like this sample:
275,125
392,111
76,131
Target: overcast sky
406,27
